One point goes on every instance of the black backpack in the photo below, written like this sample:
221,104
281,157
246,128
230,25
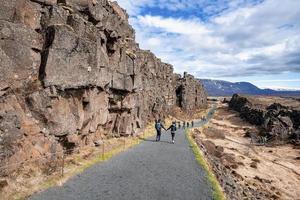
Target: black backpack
173,128
158,126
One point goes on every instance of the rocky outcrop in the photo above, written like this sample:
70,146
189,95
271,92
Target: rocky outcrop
227,169
189,94
276,121
72,74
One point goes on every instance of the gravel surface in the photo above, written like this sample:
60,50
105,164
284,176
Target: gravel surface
150,170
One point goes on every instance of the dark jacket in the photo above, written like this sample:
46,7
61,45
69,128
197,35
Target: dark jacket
159,126
173,128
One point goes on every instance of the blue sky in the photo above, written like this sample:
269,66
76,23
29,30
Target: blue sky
235,40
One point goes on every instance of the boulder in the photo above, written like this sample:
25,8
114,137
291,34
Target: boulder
238,102
254,116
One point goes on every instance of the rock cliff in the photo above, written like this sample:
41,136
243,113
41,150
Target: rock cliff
72,73
277,122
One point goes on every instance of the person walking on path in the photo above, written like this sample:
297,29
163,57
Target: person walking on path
173,130
192,123
158,127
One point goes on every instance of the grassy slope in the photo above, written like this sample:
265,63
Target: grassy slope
217,190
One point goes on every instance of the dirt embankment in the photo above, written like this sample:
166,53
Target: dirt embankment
245,170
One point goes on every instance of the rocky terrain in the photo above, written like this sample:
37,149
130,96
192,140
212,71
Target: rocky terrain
278,119
244,169
73,75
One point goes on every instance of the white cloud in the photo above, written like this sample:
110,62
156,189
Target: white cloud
171,25
240,38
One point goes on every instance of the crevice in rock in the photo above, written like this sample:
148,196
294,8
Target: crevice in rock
61,2
70,20
138,124
36,50
37,115
121,110
85,105
49,38
110,43
67,146
132,78
90,16
38,30
119,92
179,96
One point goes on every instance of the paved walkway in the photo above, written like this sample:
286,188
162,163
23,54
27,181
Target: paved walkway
151,170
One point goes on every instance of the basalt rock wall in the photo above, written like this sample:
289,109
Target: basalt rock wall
275,120
72,74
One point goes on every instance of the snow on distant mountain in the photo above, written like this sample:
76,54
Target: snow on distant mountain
283,89
225,88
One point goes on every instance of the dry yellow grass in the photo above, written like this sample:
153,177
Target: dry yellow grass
76,163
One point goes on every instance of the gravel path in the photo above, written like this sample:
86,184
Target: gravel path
151,170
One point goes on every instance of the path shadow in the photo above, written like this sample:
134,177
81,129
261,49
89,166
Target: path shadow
147,140
152,140
166,142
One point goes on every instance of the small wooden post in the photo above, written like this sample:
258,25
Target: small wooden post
103,150
63,165
5,168
124,143
6,160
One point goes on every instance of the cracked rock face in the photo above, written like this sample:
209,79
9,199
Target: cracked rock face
277,121
71,71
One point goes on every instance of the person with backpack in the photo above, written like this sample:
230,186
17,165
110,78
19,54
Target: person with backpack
173,129
179,125
158,127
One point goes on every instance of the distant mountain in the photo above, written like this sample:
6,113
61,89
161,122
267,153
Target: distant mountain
225,88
